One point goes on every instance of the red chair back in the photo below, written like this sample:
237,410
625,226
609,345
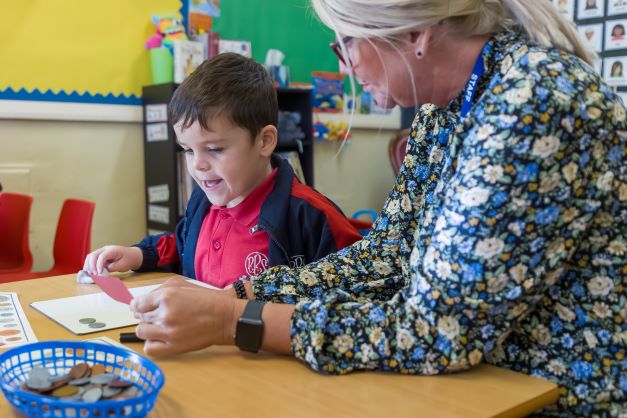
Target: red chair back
15,255
72,241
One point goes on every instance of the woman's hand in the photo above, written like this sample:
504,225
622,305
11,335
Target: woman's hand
179,317
113,258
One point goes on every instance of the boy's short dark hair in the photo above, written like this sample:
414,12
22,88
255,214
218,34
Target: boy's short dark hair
228,85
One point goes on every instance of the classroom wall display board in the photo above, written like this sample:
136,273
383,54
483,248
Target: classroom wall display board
76,50
603,24
289,26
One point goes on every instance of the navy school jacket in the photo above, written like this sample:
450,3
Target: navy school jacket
301,223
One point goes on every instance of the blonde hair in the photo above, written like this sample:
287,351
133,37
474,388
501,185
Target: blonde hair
385,19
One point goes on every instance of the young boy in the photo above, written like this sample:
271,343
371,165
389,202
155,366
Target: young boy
249,212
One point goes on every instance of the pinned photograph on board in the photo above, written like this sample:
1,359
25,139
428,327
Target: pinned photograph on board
593,35
566,8
615,34
590,8
615,73
617,7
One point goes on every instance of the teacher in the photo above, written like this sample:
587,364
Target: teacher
503,240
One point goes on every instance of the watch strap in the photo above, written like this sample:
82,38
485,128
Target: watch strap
249,331
253,310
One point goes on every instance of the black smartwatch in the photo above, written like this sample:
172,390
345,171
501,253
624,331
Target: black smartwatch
249,331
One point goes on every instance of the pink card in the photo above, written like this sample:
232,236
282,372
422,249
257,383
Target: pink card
114,287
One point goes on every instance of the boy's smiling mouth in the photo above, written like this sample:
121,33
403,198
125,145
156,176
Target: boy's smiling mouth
210,184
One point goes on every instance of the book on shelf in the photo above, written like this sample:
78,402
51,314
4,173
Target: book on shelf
293,158
187,56
210,42
239,47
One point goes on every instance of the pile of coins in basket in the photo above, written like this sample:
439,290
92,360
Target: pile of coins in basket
83,383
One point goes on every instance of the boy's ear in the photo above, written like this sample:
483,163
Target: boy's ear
267,140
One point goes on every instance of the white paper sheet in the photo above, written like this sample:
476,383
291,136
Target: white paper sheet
159,193
158,214
156,132
157,113
68,311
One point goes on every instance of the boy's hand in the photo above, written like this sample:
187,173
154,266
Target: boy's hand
113,258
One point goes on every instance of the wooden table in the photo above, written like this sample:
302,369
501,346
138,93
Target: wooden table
222,382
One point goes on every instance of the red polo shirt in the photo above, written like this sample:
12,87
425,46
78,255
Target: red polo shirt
229,245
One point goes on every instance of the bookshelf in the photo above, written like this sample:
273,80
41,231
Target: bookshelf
161,154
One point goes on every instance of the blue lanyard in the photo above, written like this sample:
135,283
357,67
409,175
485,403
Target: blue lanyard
471,87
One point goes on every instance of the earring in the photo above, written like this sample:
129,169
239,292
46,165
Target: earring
419,54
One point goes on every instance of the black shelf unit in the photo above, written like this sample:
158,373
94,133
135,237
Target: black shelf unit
161,154
300,100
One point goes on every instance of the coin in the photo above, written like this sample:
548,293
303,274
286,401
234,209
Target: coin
39,372
97,325
57,378
108,392
65,391
38,379
87,320
97,369
101,379
80,382
59,381
132,391
92,395
80,370
78,385
119,383
38,384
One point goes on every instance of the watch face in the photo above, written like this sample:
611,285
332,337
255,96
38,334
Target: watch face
248,334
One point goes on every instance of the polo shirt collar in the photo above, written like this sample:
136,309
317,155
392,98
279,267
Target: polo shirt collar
247,211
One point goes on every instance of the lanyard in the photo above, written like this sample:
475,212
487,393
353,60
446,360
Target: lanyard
471,87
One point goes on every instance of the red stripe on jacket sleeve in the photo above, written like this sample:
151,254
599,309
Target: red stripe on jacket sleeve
166,248
343,232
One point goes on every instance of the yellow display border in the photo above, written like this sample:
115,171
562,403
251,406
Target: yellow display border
77,51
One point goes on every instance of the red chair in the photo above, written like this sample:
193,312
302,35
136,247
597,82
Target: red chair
72,241
397,148
15,255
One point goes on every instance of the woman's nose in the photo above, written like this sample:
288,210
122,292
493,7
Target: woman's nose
344,68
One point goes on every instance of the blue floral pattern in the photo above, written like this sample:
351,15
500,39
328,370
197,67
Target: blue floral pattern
503,241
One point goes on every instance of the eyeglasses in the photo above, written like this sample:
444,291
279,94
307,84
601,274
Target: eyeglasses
335,47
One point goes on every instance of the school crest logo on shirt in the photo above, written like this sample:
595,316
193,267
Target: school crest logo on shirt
256,263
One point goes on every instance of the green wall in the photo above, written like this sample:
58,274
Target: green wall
288,25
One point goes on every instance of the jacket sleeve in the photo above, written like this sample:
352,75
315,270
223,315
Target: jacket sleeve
323,227
161,252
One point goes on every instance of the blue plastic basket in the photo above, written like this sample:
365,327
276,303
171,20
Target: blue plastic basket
59,357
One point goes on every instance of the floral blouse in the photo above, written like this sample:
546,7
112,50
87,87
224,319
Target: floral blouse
503,241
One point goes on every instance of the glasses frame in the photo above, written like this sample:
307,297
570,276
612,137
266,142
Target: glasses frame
337,49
